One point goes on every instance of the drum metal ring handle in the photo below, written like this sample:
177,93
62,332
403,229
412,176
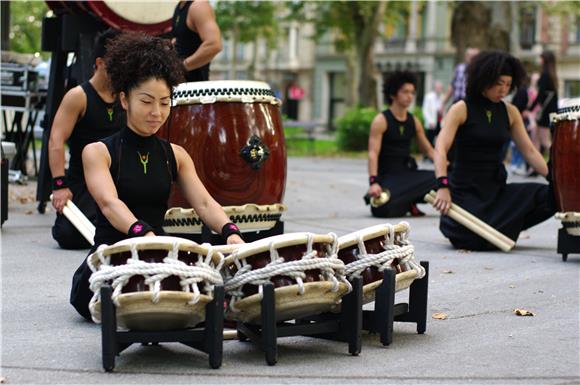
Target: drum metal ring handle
255,152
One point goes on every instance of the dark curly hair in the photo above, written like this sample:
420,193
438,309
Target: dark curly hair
394,83
487,67
133,58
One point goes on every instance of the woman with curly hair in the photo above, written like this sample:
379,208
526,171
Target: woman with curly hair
130,174
390,164
479,127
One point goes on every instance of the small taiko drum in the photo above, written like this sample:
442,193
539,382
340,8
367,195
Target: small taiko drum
159,283
153,18
566,164
233,132
367,252
306,273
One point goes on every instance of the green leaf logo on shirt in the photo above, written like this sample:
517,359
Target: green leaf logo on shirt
144,159
488,114
401,130
110,113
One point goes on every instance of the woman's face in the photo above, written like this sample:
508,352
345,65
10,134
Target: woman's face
147,106
499,90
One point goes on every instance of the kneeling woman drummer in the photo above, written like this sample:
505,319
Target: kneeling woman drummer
130,174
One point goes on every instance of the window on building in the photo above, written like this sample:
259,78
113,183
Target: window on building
574,30
527,26
571,88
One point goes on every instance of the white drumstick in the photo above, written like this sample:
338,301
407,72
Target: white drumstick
474,224
88,224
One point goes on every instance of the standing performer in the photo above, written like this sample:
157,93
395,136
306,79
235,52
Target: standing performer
547,98
86,114
130,173
390,164
480,127
197,38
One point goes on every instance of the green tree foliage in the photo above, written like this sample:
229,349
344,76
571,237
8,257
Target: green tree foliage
26,25
353,128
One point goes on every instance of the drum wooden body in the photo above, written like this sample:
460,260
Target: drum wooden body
312,281
153,18
152,292
233,132
566,157
369,251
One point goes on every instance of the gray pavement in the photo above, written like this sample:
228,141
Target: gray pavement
482,341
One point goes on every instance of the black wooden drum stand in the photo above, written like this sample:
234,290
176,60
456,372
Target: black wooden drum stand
387,312
345,326
208,338
567,244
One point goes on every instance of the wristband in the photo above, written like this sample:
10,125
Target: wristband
59,182
442,182
229,229
139,228
373,179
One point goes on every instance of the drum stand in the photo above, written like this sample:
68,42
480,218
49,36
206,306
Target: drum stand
345,326
208,338
386,312
207,236
567,244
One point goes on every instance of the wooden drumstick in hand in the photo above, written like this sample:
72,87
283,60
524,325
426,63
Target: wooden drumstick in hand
79,221
476,225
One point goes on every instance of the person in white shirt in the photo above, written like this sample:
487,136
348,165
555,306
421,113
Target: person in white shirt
431,108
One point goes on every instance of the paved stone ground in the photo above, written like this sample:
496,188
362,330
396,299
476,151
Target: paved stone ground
481,342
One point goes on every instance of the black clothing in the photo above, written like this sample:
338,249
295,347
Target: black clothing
478,180
100,120
143,170
187,42
546,90
397,170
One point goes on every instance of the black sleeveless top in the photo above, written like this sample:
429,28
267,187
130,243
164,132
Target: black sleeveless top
479,141
143,170
187,42
395,152
101,119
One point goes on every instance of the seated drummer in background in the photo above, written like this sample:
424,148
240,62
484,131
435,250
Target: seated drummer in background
130,174
197,38
479,128
86,114
390,163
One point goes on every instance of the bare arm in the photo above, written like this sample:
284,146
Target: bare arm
201,19
455,117
523,141
210,212
378,128
71,109
96,163
422,141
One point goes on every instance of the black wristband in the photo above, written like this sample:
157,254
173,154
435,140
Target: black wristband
59,182
442,182
373,179
139,228
229,229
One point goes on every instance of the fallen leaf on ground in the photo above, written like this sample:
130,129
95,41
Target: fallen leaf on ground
448,272
463,251
440,316
28,212
523,313
488,268
512,286
524,235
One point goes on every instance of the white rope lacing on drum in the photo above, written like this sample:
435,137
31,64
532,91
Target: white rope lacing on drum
331,269
153,273
398,251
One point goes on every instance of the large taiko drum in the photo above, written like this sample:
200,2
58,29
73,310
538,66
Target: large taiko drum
369,251
233,132
159,283
307,276
566,164
147,16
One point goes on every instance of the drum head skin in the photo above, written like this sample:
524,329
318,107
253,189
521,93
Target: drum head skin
318,298
136,311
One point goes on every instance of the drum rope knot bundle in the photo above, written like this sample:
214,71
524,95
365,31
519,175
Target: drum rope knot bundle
331,269
153,273
398,250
